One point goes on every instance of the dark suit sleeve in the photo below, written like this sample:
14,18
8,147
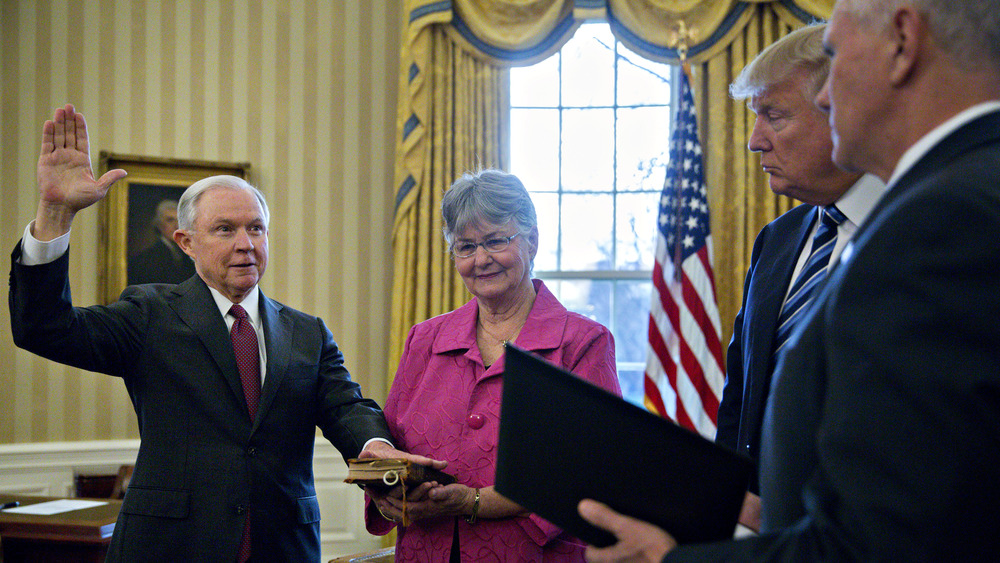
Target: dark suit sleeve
731,406
810,544
904,354
347,419
104,339
732,394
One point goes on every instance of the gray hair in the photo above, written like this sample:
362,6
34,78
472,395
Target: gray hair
800,50
187,208
967,30
489,196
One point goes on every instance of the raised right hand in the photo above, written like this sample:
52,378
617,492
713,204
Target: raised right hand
66,181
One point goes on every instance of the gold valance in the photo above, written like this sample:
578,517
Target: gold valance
520,32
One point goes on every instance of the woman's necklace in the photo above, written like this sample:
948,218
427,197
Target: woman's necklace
501,340
523,308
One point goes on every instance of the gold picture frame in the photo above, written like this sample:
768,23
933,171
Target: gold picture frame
126,212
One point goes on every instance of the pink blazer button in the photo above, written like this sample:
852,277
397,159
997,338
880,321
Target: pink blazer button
476,421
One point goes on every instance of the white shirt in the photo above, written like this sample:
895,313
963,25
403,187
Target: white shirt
856,204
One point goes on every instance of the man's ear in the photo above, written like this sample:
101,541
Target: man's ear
183,240
910,35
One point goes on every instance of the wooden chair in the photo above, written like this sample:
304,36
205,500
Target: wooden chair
384,555
121,481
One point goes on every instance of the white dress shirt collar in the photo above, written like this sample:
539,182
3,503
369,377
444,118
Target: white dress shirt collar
856,204
250,303
858,201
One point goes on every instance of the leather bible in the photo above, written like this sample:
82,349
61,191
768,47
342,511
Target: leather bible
385,473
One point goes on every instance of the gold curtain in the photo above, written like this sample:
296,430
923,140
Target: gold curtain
452,108
448,122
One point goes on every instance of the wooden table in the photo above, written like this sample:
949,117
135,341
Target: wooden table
78,536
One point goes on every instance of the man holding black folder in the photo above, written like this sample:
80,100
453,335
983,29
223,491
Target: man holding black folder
882,432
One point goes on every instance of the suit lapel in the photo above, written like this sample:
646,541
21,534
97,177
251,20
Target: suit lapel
277,340
196,308
772,287
767,293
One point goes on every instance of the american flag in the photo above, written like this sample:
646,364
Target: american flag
684,368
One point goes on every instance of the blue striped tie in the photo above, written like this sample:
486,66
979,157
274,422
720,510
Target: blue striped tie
814,271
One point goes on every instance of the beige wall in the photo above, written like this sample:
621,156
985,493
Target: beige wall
302,89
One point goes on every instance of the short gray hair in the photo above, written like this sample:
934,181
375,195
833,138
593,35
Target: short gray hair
187,207
967,30
801,50
489,196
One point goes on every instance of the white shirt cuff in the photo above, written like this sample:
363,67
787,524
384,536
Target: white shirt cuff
363,448
35,252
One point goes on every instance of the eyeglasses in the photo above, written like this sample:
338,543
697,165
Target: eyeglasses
464,249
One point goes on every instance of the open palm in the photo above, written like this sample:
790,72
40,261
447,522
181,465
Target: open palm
65,176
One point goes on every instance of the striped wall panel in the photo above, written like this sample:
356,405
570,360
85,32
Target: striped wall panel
304,90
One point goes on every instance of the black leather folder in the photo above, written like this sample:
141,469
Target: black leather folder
563,439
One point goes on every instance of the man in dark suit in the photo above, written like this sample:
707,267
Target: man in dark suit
163,261
882,435
793,138
228,385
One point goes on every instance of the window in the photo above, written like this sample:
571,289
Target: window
590,130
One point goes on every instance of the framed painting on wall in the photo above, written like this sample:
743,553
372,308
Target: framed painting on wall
139,215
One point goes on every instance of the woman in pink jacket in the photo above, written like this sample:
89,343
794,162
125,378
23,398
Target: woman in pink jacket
445,399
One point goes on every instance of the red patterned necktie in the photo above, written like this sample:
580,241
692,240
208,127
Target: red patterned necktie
247,357
248,362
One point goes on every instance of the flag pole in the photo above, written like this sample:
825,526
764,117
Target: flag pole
680,43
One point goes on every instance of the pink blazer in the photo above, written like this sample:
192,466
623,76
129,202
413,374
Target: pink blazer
445,404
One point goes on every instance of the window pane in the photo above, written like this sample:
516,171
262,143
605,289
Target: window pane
636,225
534,150
590,298
588,67
643,144
641,81
588,149
589,138
630,377
586,232
631,319
547,210
536,85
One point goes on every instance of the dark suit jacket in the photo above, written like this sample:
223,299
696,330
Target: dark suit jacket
202,462
883,441
749,358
